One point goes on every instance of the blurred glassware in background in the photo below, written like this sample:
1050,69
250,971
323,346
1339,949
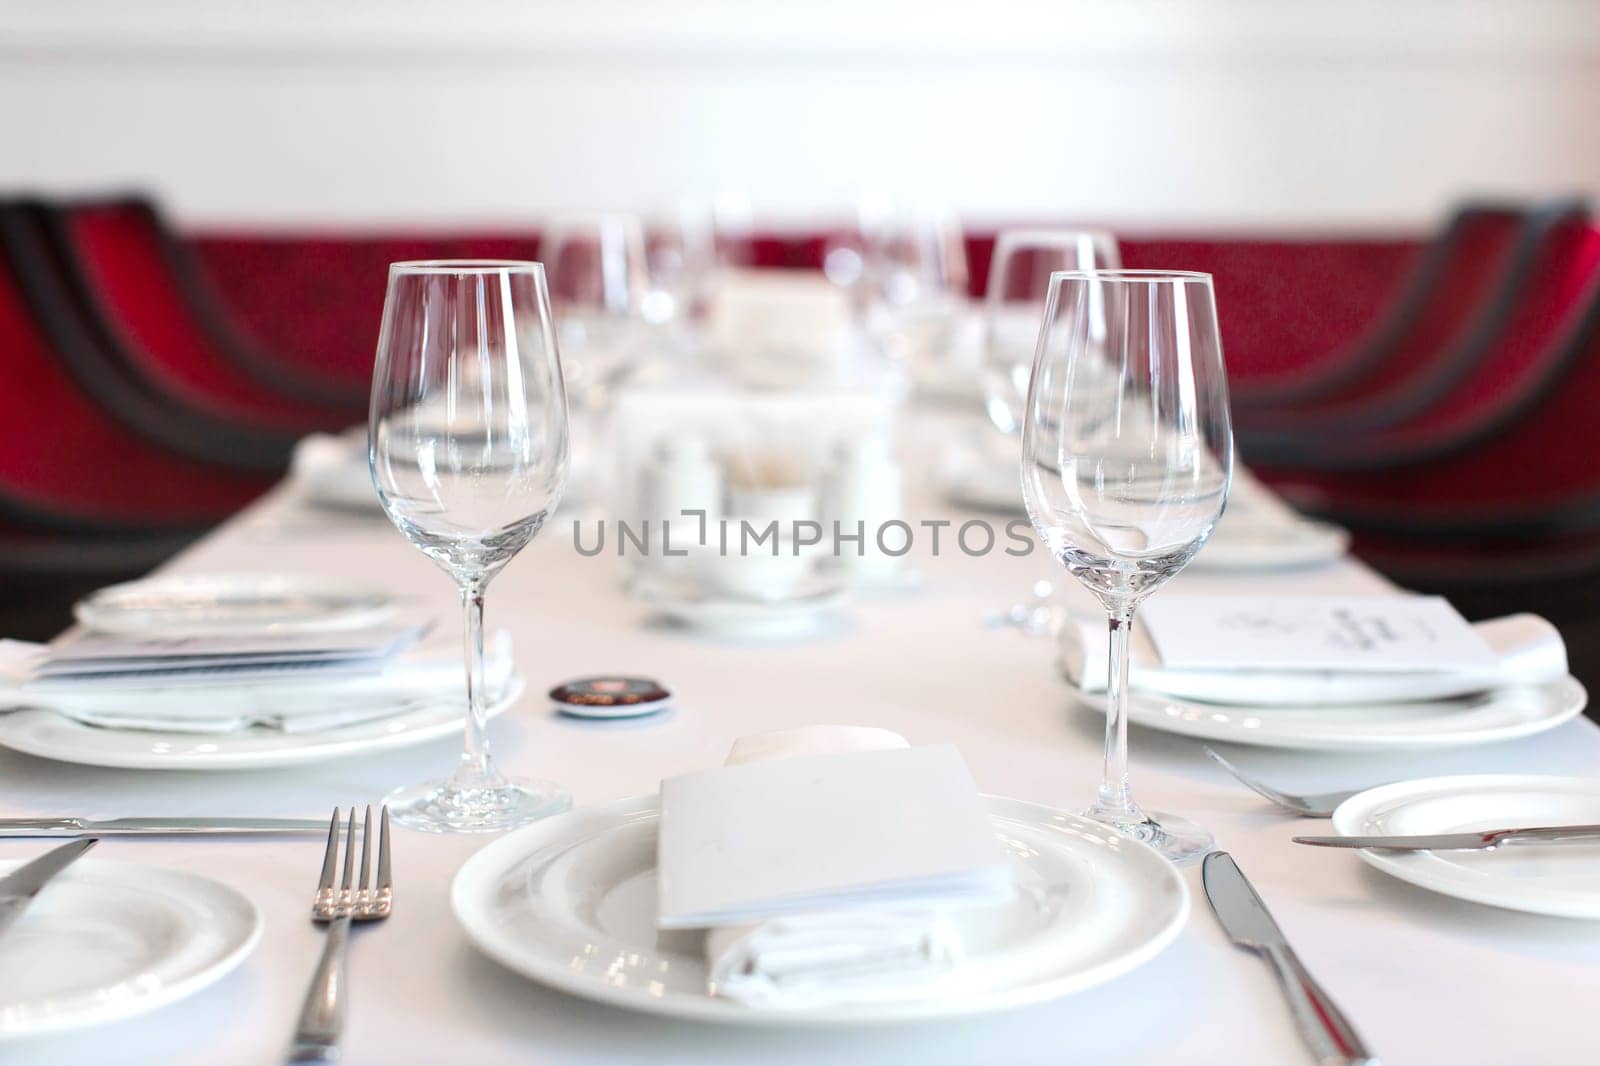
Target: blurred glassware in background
913,278
1019,281
600,288
1125,483
469,452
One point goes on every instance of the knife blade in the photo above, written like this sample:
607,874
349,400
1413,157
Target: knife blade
1246,920
72,827
1481,841
18,888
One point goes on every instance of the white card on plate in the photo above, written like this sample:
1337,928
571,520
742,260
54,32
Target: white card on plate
1350,634
825,832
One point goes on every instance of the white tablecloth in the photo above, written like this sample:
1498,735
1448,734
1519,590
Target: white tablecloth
1428,979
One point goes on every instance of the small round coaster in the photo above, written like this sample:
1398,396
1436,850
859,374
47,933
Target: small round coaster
611,697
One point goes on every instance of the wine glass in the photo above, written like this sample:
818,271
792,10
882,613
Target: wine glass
1019,280
1127,453
914,263
467,441
600,282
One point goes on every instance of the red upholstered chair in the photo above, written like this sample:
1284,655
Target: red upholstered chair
66,464
1449,343
106,378
1512,453
1539,345
144,303
1444,299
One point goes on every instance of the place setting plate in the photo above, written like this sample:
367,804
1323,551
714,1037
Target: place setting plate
1554,879
109,940
219,604
571,901
51,735
1479,718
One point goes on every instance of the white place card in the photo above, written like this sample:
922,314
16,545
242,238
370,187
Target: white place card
1348,634
825,832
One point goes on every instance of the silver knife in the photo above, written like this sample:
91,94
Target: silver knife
74,827
19,887
1489,838
1324,1027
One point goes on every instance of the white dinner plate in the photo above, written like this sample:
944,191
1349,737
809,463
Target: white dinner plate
217,604
791,616
1251,546
571,902
53,736
1560,879
1480,718
108,940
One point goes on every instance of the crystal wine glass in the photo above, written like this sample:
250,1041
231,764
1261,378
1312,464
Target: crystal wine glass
1020,270
1127,453
600,282
1019,280
468,443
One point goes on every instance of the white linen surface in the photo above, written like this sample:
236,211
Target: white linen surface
1529,651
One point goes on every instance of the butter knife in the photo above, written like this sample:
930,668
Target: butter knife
75,827
18,888
1482,841
1323,1026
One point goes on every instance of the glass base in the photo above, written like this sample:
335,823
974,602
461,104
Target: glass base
1178,839
441,807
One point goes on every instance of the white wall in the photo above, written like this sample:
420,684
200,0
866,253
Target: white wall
1266,113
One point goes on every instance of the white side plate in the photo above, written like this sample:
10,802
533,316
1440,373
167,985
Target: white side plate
215,604
108,940
53,736
1499,714
1560,879
571,902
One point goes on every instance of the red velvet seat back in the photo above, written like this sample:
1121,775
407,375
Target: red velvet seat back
131,285
1461,300
1532,408
61,454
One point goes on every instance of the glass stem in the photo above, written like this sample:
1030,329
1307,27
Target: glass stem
1115,798
476,770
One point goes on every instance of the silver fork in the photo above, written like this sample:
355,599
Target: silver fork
316,1037
1315,805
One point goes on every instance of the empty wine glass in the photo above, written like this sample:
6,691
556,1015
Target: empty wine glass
1019,281
1127,453
600,284
467,441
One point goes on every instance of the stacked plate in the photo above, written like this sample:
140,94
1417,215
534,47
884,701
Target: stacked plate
1527,691
215,672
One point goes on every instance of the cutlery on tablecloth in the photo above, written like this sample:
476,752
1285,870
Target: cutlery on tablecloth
1480,841
316,1036
72,827
1249,924
1313,805
18,889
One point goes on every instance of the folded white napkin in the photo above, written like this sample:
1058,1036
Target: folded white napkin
1528,650
297,702
846,956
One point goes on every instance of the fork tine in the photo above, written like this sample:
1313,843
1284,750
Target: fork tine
330,858
384,880
383,898
349,864
366,851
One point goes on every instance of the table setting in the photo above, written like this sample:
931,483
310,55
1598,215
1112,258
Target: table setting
798,801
